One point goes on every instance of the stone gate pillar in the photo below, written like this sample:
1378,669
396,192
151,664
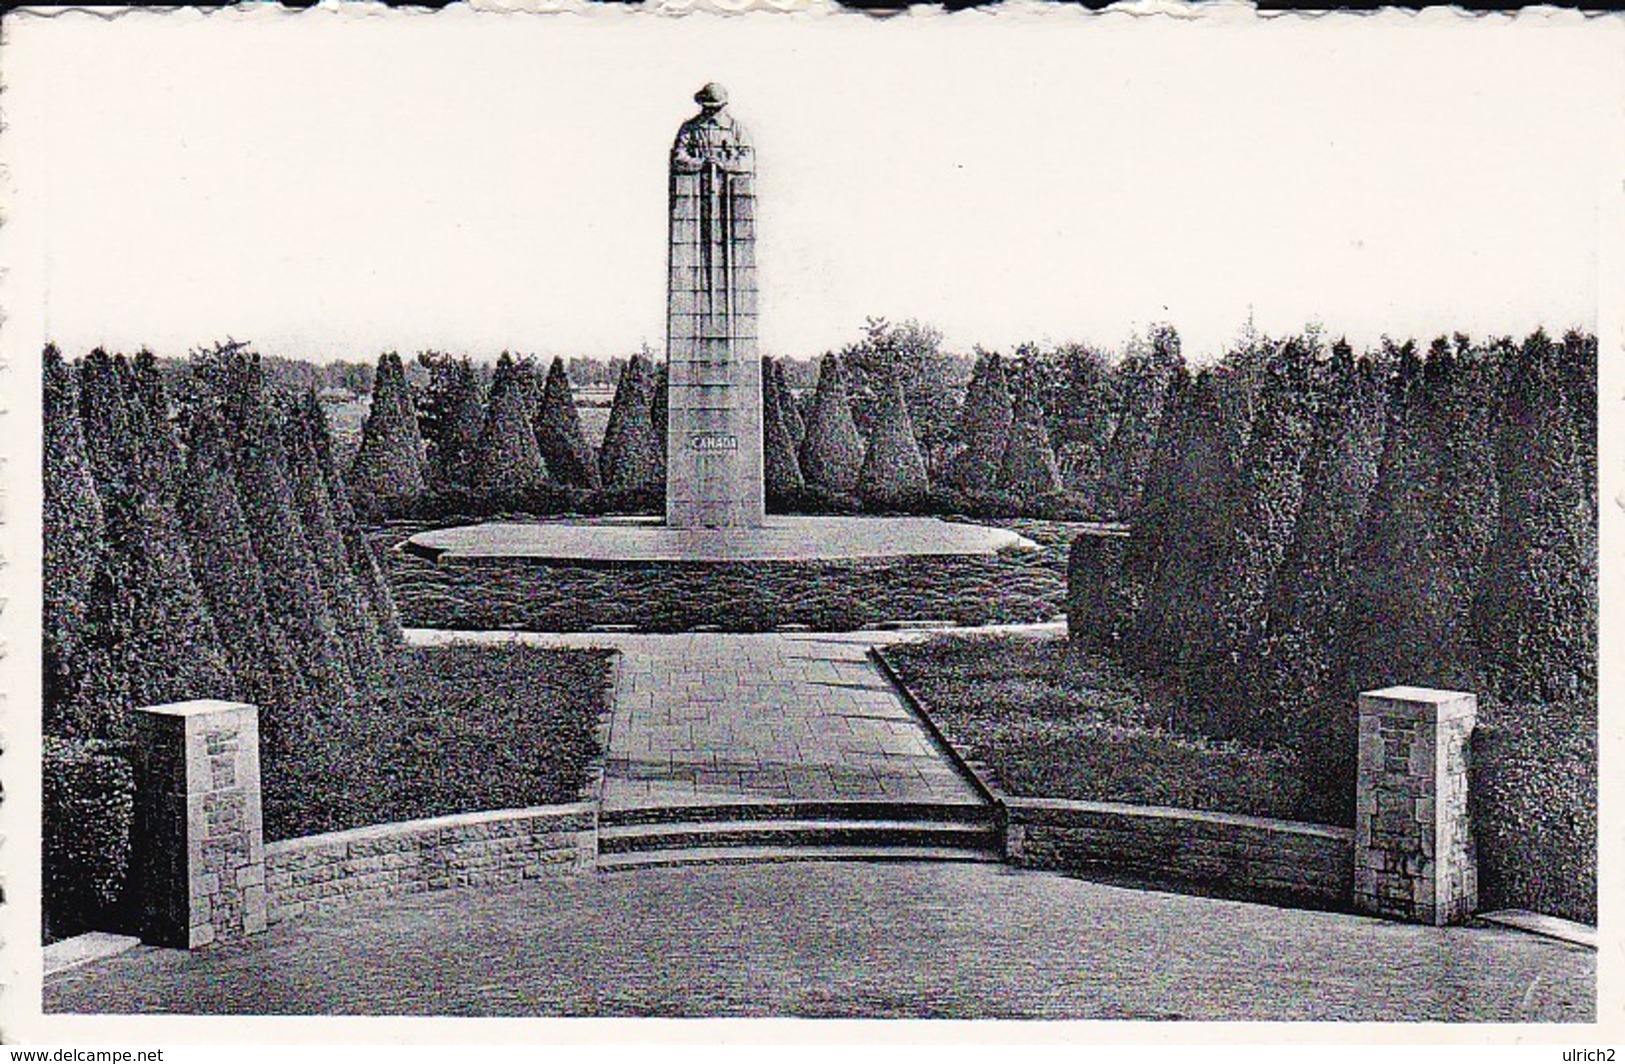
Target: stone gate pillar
714,395
199,849
1413,843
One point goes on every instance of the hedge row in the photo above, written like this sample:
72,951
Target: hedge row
1315,524
1010,587
890,422
87,804
1533,790
1050,723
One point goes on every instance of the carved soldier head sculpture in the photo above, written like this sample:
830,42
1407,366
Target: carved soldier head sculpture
712,97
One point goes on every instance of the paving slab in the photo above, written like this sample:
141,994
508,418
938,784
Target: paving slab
725,718
820,939
83,949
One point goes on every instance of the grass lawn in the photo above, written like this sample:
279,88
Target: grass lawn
1053,725
1011,587
457,729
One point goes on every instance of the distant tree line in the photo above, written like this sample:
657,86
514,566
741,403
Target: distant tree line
890,423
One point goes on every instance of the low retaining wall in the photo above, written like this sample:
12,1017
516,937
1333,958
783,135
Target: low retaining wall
322,872
1236,856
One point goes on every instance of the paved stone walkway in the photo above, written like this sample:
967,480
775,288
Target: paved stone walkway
714,719
881,940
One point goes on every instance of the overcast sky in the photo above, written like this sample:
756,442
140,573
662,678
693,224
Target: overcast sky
330,186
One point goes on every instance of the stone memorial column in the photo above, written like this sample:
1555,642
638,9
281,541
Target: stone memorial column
714,398
1413,844
199,850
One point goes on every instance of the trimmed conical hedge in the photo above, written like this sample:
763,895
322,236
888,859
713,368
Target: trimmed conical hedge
72,566
832,451
1537,605
165,642
1141,383
893,471
983,428
264,667
789,408
630,459
452,414
264,488
781,468
660,411
1265,504
1028,469
1339,474
356,627
558,432
507,457
1183,520
388,468
1426,532
362,554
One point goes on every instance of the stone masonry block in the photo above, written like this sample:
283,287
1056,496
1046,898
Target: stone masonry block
198,843
1413,854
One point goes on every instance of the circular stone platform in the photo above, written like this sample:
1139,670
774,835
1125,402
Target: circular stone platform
783,539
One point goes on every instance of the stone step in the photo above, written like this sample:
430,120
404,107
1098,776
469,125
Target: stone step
799,833
958,812
624,862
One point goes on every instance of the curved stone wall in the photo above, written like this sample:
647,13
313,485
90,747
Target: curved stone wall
319,873
1235,856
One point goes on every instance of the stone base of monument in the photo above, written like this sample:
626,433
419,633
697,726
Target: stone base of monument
638,541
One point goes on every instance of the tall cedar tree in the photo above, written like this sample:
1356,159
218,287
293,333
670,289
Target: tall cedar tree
357,627
293,587
983,428
1291,673
558,432
388,468
630,459
1141,383
832,451
1183,522
930,378
507,457
1579,366
1155,522
1029,469
452,413
781,468
1537,605
360,551
1080,401
1266,501
893,471
1339,476
660,412
164,453
1468,382
166,643
1419,551
74,583
789,407
530,388
263,665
